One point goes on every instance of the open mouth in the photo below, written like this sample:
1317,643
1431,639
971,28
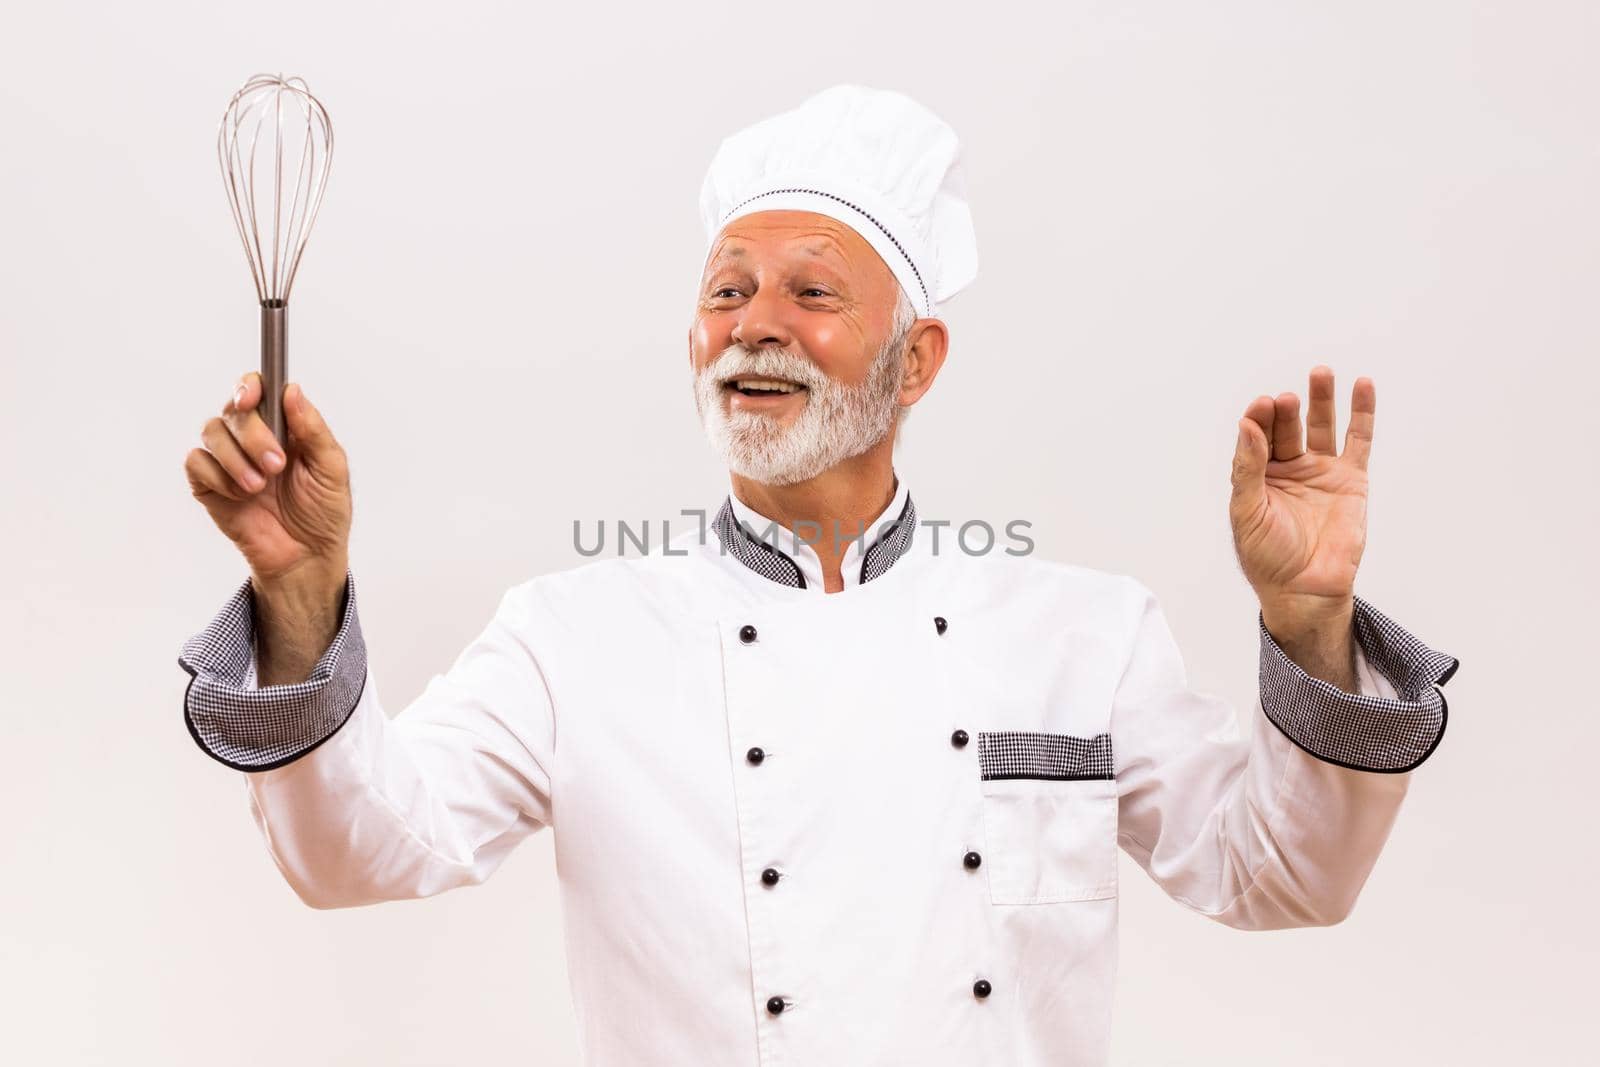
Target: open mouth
755,387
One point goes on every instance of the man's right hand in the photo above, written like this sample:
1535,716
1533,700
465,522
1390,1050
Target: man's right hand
288,512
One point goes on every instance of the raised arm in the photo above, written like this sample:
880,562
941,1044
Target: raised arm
1283,827
355,808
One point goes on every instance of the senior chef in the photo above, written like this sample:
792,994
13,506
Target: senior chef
853,798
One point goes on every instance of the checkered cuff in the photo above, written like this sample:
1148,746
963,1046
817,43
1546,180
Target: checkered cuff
1361,732
251,729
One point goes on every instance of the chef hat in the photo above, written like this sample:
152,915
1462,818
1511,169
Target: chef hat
875,160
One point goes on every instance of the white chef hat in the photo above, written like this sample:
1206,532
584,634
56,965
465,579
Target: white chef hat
875,160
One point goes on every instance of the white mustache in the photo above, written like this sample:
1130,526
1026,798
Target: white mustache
737,361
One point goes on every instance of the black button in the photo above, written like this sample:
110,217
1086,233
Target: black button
775,1005
747,633
770,876
959,739
980,989
754,757
940,625
972,859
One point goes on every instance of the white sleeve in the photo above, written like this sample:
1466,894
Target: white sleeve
1280,825
355,807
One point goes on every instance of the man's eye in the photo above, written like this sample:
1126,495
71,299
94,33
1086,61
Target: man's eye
725,293
813,291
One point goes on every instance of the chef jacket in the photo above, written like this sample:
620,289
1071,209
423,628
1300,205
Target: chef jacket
873,827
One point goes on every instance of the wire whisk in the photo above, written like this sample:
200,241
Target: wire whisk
274,145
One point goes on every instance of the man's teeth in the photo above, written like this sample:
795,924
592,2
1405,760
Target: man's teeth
766,384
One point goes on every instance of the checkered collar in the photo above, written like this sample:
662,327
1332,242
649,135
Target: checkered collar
776,554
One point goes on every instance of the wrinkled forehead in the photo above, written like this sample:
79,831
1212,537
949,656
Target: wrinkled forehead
778,238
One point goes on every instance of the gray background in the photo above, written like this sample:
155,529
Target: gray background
1179,206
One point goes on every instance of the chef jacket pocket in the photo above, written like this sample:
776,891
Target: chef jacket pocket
1049,816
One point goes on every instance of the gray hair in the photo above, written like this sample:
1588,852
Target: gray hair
905,317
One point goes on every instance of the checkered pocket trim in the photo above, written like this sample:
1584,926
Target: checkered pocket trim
1356,731
259,729
1056,757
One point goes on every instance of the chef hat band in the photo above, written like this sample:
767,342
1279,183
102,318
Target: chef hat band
874,160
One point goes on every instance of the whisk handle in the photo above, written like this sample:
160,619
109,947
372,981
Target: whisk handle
274,365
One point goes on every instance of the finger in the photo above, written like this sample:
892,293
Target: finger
1363,414
1262,411
309,431
219,441
1320,416
206,476
1286,438
246,395
1249,470
255,437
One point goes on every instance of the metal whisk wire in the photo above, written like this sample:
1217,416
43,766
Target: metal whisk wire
282,111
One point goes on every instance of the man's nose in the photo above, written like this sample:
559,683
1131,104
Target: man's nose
761,324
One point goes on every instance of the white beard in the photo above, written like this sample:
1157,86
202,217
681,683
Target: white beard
838,421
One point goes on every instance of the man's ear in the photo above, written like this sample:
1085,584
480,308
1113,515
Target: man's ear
926,346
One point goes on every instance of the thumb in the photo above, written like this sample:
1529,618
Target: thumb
307,429
1249,471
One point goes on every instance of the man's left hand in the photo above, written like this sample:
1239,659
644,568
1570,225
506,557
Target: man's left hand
1299,516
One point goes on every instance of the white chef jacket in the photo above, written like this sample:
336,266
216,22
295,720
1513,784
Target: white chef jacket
873,827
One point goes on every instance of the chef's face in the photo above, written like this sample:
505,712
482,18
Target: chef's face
800,346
